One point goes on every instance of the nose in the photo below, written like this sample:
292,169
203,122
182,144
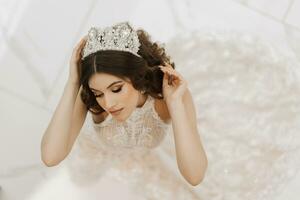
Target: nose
109,102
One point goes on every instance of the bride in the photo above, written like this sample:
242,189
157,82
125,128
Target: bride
246,96
134,95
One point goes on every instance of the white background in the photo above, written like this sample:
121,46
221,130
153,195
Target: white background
37,38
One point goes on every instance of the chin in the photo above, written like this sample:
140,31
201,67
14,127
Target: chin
122,118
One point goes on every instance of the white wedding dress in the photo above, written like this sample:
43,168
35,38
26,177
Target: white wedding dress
246,94
124,152
127,150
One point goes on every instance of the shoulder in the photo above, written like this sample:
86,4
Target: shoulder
162,110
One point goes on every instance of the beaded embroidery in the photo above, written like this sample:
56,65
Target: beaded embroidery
143,128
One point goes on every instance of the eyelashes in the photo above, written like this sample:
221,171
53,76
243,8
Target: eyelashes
115,91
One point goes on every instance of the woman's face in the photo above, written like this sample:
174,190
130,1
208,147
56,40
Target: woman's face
113,93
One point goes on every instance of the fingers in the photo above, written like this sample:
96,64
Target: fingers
82,42
172,76
80,45
168,65
169,77
171,71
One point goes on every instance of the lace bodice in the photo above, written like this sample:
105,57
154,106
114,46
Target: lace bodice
143,129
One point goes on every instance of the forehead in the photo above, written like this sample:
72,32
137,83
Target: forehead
101,80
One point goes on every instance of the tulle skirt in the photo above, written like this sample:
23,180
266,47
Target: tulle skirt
91,171
246,94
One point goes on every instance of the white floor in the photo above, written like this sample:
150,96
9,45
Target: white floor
37,38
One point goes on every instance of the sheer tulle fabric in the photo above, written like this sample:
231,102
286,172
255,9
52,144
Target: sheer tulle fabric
126,151
246,95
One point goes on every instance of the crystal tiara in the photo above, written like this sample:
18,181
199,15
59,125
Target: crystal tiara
120,36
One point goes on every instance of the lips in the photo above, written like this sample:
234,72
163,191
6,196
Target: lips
116,110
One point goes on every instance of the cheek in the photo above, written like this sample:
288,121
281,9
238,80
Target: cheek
126,95
129,98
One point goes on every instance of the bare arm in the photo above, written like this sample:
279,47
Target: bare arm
68,117
191,157
61,129
78,118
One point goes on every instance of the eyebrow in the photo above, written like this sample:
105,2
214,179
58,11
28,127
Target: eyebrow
107,86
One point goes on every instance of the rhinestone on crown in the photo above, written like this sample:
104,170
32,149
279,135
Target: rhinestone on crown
120,36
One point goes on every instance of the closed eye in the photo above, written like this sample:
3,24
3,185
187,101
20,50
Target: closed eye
115,91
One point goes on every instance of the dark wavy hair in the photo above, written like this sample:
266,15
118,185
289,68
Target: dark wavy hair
143,71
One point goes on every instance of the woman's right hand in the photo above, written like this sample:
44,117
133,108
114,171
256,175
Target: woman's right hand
76,60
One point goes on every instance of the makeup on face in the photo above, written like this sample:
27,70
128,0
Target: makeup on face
117,112
109,85
120,95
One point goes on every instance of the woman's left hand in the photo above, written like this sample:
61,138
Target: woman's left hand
174,85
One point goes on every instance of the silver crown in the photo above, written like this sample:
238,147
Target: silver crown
120,36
